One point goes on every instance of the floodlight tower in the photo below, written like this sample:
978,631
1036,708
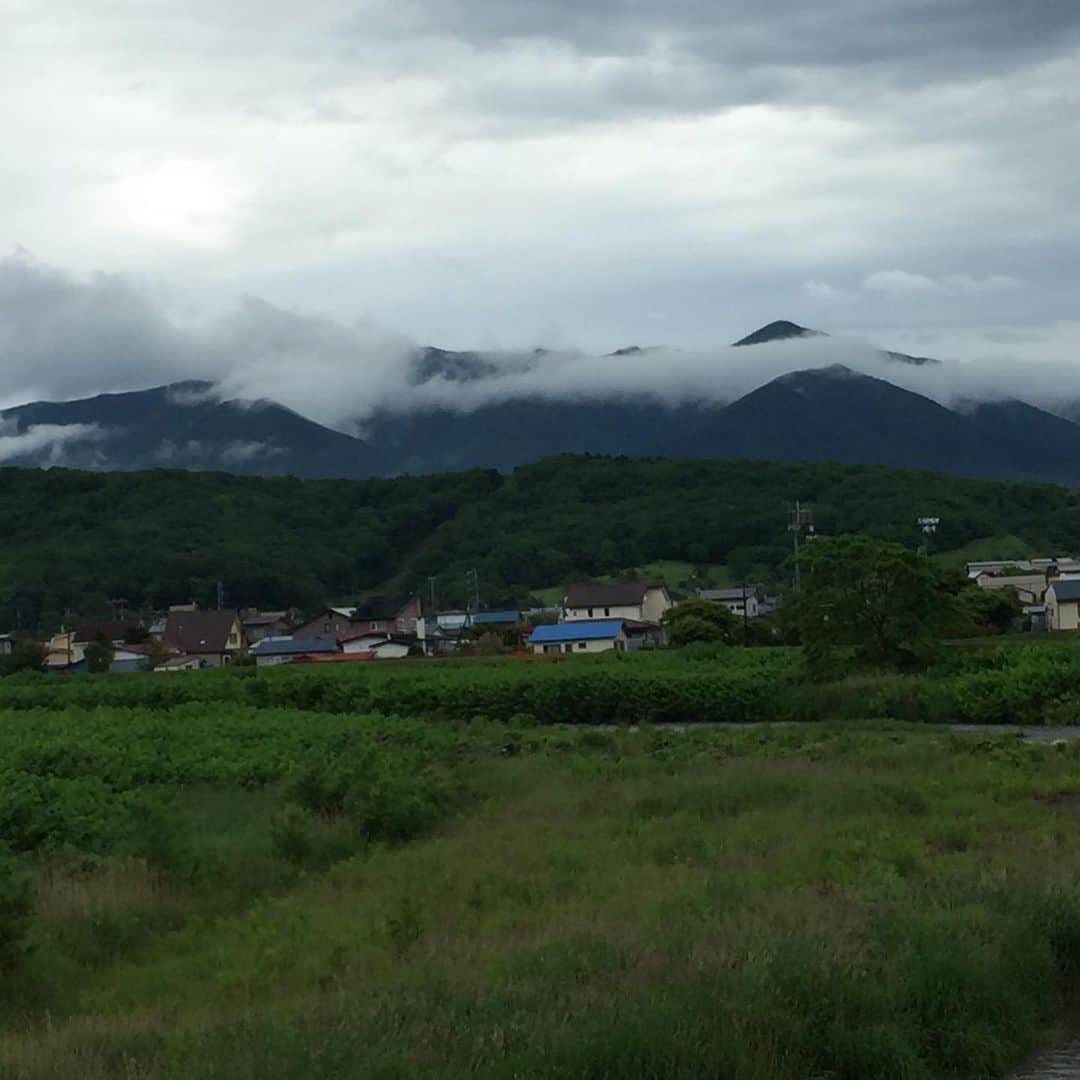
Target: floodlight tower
928,526
802,518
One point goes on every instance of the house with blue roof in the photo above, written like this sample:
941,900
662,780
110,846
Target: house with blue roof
580,636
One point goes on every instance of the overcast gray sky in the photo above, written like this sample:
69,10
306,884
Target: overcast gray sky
513,173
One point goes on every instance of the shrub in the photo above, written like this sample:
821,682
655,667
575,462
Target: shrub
15,908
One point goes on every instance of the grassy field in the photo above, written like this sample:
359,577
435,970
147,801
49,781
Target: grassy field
242,893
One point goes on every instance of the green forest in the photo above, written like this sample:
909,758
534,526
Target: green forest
72,541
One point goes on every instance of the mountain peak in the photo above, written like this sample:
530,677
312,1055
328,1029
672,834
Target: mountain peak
780,330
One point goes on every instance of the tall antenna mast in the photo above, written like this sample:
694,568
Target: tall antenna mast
801,518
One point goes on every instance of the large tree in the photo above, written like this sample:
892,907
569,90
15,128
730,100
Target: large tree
879,600
700,620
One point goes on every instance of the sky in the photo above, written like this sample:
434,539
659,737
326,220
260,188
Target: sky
272,193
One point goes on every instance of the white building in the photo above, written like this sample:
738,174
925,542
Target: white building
1063,605
741,601
579,636
633,600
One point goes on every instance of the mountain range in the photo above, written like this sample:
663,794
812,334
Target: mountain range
828,413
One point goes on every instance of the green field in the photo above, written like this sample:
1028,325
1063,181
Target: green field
249,875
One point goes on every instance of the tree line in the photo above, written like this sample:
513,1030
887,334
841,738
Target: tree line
73,543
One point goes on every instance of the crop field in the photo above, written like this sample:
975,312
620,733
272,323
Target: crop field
422,871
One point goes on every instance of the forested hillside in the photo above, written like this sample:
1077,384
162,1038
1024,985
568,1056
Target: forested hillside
71,541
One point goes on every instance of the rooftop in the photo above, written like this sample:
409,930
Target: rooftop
621,594
481,618
736,593
198,632
291,646
582,630
1066,590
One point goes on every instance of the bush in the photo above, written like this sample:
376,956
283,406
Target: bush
15,908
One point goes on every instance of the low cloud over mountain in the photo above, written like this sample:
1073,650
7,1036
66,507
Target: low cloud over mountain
63,337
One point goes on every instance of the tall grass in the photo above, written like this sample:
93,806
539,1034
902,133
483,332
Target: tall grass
815,901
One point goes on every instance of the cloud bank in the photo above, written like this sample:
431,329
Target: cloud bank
64,336
514,173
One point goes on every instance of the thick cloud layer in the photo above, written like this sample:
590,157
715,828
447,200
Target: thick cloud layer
514,173
64,336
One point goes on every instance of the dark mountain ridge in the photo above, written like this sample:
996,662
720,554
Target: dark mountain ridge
821,414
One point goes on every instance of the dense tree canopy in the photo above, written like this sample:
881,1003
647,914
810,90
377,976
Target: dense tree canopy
72,541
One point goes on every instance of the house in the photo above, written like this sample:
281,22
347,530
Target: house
358,643
215,637
127,658
7,644
1029,588
180,662
578,636
61,652
743,601
452,621
391,648
1063,605
494,620
333,622
393,615
271,651
633,600
378,614
643,635
381,646
263,624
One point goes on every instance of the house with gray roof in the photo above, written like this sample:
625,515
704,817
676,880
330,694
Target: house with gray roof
272,651
1063,604
743,600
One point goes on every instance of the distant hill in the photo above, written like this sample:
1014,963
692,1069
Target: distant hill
72,540
184,426
821,414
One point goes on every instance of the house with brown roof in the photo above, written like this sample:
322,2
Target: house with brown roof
116,633
635,600
215,637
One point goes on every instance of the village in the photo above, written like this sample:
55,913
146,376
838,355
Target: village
591,618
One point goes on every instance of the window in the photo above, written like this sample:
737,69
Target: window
582,644
607,611
590,613
326,628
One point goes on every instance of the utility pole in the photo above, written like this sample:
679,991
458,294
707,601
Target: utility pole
745,618
220,595
801,518
472,585
434,607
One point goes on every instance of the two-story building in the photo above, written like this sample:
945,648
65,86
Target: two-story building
630,600
215,637
388,615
